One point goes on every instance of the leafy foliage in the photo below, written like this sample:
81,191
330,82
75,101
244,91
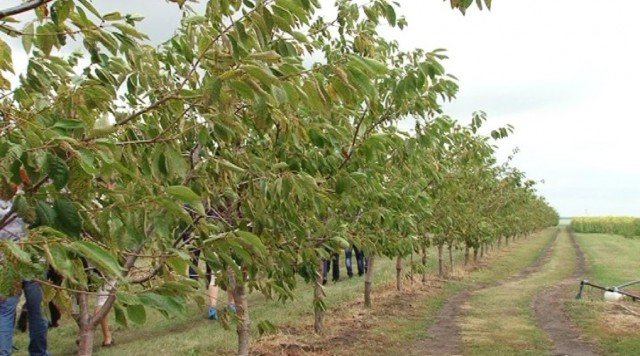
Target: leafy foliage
261,133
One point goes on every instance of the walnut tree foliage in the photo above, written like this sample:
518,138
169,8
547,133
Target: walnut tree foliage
262,133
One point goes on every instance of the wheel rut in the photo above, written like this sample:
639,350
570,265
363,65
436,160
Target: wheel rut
443,336
548,307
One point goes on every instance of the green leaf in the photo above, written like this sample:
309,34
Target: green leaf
176,209
88,6
6,62
57,170
17,252
68,124
44,40
375,65
390,14
45,215
223,162
112,16
58,258
361,81
186,195
98,256
176,164
242,88
121,317
183,193
251,241
27,38
268,56
22,207
178,264
67,218
162,302
137,314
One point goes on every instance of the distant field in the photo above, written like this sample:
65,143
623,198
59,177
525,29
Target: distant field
564,221
619,225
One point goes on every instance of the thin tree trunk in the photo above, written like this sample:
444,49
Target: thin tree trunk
475,255
424,264
411,270
399,273
451,257
440,267
506,241
481,251
85,332
367,282
499,242
466,254
242,312
318,295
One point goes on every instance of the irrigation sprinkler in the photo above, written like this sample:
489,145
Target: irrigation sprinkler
614,293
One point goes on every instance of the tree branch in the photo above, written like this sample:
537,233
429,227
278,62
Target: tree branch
24,7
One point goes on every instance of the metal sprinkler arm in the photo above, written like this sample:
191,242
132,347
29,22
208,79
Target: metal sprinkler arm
608,289
628,284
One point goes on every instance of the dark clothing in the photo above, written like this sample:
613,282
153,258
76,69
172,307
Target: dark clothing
326,266
360,262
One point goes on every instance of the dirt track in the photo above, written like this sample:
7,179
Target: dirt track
551,316
443,337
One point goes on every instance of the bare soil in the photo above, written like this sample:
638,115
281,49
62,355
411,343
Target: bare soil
548,307
350,323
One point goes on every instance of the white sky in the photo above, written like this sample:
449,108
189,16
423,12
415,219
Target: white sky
564,73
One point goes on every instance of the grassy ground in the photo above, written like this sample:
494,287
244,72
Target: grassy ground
500,321
193,334
397,318
612,260
400,330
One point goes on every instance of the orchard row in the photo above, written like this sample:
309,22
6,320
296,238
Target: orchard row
263,134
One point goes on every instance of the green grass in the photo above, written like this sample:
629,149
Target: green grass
500,321
400,332
612,260
192,334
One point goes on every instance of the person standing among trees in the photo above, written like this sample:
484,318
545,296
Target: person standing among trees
212,287
360,261
332,265
14,230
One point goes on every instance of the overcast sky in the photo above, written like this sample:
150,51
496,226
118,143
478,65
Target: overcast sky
564,73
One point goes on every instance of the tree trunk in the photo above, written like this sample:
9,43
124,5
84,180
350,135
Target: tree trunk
85,331
424,264
318,304
466,254
367,282
451,257
481,251
411,270
506,241
475,255
242,312
499,242
440,267
399,273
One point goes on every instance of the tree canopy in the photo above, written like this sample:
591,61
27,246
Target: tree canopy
261,132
